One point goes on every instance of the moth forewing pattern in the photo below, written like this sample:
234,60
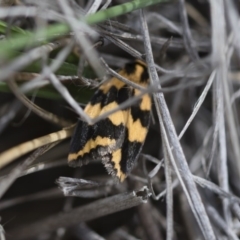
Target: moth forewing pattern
118,139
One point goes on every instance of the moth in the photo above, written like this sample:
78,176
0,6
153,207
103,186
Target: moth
118,139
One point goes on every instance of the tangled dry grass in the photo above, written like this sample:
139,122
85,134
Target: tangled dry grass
54,54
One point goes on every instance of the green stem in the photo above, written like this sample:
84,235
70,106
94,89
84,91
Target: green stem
18,41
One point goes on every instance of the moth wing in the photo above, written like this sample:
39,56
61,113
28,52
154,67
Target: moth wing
137,128
99,140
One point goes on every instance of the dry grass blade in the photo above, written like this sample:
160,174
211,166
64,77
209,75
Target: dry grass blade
218,58
18,151
195,200
36,109
145,213
222,89
169,195
91,211
65,93
16,172
198,104
28,58
216,218
187,36
84,232
89,52
76,187
2,233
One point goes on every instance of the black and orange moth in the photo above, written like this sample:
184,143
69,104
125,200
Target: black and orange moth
118,139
